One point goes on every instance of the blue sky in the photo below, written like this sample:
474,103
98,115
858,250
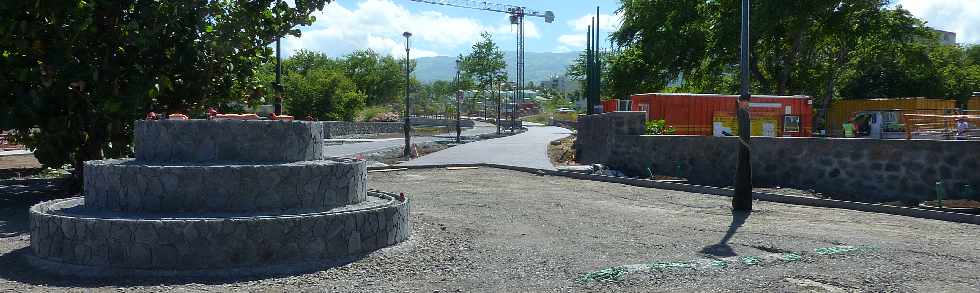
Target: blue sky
345,26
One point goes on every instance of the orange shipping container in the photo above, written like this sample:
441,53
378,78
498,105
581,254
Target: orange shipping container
610,106
841,111
973,104
613,105
695,114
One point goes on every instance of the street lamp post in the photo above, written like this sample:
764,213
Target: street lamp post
742,201
497,99
459,102
277,104
408,123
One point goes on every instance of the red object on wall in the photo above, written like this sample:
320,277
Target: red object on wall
693,114
611,105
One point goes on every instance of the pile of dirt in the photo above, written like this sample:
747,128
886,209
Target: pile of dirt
562,153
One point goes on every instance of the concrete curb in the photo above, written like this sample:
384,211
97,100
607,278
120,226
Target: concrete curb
779,198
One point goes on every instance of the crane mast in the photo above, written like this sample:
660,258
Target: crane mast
517,15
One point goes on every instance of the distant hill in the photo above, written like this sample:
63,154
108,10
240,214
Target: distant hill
537,66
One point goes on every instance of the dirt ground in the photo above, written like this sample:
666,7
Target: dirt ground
562,153
491,230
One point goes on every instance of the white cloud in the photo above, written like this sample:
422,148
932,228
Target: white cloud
378,25
607,22
561,49
959,16
575,41
510,30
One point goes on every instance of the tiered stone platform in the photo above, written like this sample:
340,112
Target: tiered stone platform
213,195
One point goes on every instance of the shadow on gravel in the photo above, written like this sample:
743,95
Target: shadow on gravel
18,195
15,267
722,249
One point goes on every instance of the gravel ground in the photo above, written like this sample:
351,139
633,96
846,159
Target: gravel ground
503,231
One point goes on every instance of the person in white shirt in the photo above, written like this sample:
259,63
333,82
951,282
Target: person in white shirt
961,127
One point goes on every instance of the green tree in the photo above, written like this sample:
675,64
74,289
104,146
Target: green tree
576,71
485,65
818,48
322,93
381,78
76,74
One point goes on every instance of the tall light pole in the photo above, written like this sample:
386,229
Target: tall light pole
498,100
408,123
742,201
459,101
277,106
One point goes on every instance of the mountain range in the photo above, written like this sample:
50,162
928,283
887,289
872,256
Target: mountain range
537,66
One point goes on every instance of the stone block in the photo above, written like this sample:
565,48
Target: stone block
202,141
228,188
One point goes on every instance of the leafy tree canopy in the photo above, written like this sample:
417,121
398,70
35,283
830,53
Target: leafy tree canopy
76,74
822,48
485,63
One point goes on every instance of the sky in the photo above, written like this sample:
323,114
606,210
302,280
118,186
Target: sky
348,25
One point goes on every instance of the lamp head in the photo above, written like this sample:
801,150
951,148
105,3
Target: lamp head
407,34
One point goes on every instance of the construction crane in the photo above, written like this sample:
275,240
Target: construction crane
517,14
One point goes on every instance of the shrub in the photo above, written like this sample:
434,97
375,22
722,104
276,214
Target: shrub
659,127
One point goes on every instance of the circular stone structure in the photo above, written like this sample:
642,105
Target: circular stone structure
237,204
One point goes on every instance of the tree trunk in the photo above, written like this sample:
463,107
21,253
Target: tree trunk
764,85
789,60
824,109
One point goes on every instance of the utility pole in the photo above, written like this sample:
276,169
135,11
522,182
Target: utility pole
498,100
597,65
459,101
742,201
277,106
589,105
408,122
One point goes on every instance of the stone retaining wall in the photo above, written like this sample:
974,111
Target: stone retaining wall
425,121
212,243
198,141
852,169
127,185
334,129
595,134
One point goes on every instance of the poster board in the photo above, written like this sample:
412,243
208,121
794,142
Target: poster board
761,124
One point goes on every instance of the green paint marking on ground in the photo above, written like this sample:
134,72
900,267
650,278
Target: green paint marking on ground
835,250
790,257
669,265
719,264
613,274
618,274
751,260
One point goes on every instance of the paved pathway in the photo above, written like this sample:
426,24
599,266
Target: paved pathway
529,149
351,149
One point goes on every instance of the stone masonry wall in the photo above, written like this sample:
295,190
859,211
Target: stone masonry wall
597,132
127,185
198,141
856,169
209,243
334,129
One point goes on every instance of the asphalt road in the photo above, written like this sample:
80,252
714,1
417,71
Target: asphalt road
490,230
528,149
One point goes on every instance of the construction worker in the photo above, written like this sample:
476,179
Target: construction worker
961,128
849,128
